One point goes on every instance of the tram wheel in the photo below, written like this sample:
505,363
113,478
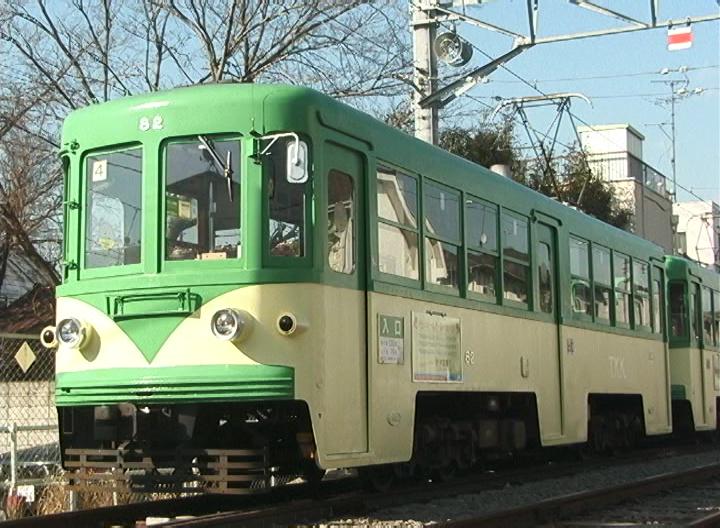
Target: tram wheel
377,478
445,473
312,473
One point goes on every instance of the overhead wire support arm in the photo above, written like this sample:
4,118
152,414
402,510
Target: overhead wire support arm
609,12
450,92
539,100
449,15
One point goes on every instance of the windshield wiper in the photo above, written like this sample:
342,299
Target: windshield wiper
227,170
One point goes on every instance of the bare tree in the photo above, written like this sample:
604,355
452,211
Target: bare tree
30,206
59,55
297,41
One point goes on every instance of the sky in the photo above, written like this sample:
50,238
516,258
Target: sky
620,74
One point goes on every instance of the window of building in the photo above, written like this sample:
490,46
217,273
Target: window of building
397,202
481,221
516,259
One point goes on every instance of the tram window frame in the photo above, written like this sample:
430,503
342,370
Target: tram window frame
657,301
641,295
678,316
441,235
341,238
516,262
546,277
294,247
602,283
482,248
204,197
67,194
707,316
99,174
716,318
623,289
695,314
405,223
581,299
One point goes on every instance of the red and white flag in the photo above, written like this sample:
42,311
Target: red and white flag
679,38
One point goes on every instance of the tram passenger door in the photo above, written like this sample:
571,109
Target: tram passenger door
345,421
550,394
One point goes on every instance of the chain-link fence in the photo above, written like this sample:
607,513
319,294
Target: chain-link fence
29,447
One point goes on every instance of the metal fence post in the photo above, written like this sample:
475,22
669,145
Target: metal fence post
13,457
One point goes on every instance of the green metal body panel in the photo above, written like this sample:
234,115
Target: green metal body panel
175,385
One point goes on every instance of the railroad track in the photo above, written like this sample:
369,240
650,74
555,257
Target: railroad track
663,500
300,504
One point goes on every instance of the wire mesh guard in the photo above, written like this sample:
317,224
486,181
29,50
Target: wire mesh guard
29,447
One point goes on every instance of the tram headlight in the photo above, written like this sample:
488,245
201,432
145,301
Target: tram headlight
229,324
72,333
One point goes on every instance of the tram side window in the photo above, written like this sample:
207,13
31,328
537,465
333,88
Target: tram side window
397,201
202,206
602,284
286,205
716,318
481,222
623,288
657,301
641,285
580,276
114,208
341,222
545,278
696,315
707,315
442,235
516,259
678,310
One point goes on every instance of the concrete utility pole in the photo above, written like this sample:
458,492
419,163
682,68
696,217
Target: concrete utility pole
424,71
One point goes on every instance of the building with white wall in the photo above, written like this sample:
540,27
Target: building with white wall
698,232
615,155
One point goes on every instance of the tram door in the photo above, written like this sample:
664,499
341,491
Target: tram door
550,396
345,420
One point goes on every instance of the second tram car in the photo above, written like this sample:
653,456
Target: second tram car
694,330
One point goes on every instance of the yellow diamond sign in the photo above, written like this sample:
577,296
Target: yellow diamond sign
25,357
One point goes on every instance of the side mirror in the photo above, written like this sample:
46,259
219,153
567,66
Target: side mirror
297,169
